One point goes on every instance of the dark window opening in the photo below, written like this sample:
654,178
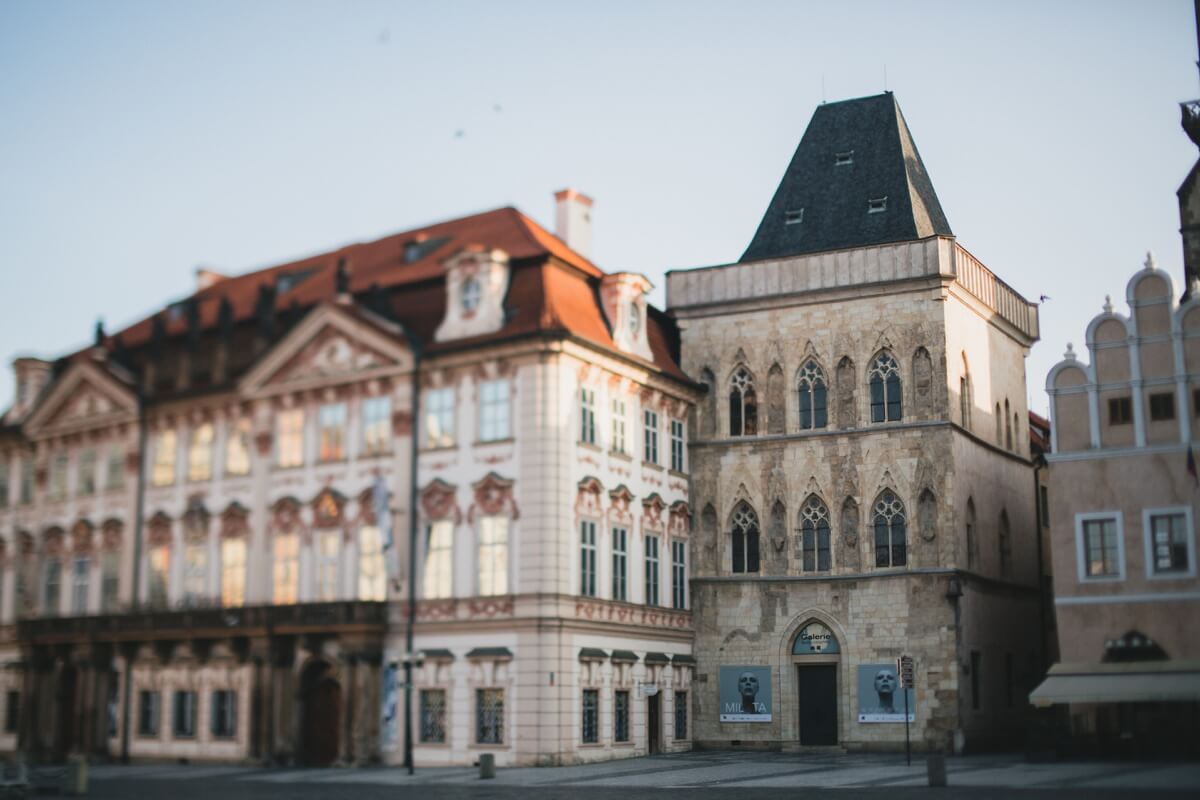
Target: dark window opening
1162,406
1120,410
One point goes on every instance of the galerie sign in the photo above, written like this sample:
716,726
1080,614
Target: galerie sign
880,698
745,694
815,639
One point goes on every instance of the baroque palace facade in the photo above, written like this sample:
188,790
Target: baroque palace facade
861,476
194,563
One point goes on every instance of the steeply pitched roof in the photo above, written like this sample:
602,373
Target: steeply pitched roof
853,152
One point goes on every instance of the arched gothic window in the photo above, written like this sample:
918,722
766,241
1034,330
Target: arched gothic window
814,535
890,549
999,423
1004,543
745,539
885,388
1007,427
708,419
972,536
743,404
811,386
964,394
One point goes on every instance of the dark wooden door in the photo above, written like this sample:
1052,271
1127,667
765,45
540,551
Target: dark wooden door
322,707
652,723
817,690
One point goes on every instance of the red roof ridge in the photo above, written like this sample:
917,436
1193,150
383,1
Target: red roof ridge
540,237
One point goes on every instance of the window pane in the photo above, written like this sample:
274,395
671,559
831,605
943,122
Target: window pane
806,404
436,580
620,567
494,416
372,576
331,422
591,716
493,555
237,448
439,417
233,572
489,716
163,471
587,558
290,435
377,425
876,400
287,568
820,415
329,550
433,715
893,398
200,453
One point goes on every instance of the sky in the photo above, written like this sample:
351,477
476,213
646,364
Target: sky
140,140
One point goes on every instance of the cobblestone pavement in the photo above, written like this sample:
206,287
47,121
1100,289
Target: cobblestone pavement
706,774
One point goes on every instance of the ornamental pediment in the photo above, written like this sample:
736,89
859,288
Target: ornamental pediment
83,397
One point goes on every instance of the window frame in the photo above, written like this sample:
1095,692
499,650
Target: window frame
85,473
811,386
370,421
153,718
1148,515
885,369
678,462
495,426
680,736
444,589
332,422
496,738
1122,404
230,715
589,717
200,452
653,567
587,415
238,448
498,577
297,445
81,581
285,579
439,412
618,429
190,698
649,436
1162,398
168,467
620,564
424,715
1081,546
621,717
232,573
587,558
679,593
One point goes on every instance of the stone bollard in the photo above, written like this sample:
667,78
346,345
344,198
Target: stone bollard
76,778
936,767
487,765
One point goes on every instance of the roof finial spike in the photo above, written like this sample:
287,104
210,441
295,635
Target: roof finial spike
1150,263
1108,306
1070,354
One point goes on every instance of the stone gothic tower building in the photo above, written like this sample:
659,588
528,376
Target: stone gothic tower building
861,474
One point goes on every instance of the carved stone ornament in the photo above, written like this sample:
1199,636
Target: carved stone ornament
235,521
437,501
328,508
110,532
158,529
680,518
81,537
587,497
285,514
493,495
652,511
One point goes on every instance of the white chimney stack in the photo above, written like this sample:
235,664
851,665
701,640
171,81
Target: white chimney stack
573,220
206,277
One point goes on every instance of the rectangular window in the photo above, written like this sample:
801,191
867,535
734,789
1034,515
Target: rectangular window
329,550
587,558
620,716
439,417
4,480
162,473
114,473
80,570
493,555
681,716
289,435
287,569
618,426
195,572
587,416
976,695
237,448
436,579
200,453
12,711
1101,548
159,559
433,716
651,570
1162,406
1120,410
223,719
148,713
620,557
489,716
677,445
233,571
110,581
86,484
1170,544
331,425
56,489
376,426
184,718
493,411
591,716
372,578
52,588
26,493
678,574
650,426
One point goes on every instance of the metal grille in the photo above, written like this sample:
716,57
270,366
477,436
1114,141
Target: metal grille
489,716
681,716
433,715
591,716
621,717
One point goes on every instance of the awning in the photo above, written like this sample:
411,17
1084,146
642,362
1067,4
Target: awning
1129,682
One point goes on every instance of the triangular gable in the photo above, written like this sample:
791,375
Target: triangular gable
85,396
333,341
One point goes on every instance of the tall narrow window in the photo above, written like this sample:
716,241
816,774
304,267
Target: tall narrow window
620,559
233,571
12,711
439,417
972,536
745,539
587,416
1004,544
195,572
163,471
3,480
493,555
493,411
289,434
25,493
678,574
149,713
587,558
681,716
372,577
1000,424
591,716
651,570
237,448
964,400
813,407
158,580
433,716
87,472
80,571
439,548
110,581
200,453
677,445
814,535
1101,548
650,428
618,425
620,716
56,488
331,424
223,719
489,716
376,426
885,389
890,534
743,404
286,567
1008,437
184,726
114,473
329,551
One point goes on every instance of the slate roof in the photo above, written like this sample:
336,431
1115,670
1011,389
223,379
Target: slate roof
852,152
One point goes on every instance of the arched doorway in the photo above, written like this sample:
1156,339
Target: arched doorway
815,655
320,710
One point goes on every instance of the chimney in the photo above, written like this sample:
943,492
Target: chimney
573,220
206,277
32,375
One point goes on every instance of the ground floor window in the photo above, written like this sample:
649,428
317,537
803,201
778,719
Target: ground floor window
148,713
681,716
224,713
591,716
621,717
433,716
489,716
184,718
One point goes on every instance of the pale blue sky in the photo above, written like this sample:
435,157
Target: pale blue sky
141,139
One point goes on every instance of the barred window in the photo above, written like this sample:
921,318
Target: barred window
489,716
433,715
743,404
620,716
814,535
591,716
681,716
223,719
885,389
620,557
745,539
890,536
587,558
813,408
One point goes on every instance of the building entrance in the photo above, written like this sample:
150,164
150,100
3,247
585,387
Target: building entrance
816,654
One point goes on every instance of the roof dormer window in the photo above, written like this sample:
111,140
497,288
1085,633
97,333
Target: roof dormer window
843,159
877,205
793,216
635,319
471,291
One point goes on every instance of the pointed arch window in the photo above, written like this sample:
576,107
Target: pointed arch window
813,407
972,536
814,535
1008,440
743,404
890,532
745,539
885,389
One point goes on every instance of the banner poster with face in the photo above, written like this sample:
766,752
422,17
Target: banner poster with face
745,694
388,718
880,697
